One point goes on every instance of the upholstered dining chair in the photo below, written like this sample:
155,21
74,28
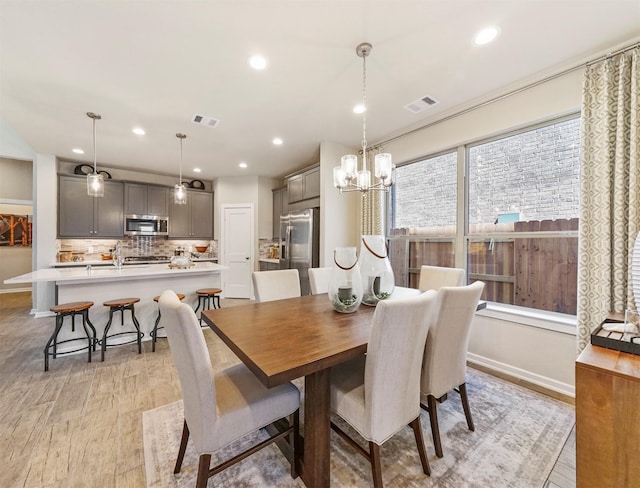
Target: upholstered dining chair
319,280
276,285
435,277
378,394
222,407
444,366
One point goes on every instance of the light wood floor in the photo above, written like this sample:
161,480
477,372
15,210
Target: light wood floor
80,424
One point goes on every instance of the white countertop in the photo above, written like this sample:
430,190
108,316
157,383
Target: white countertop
269,260
110,273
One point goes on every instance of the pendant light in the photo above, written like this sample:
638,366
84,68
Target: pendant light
180,191
346,177
95,181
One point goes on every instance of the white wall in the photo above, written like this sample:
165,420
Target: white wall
246,189
539,355
339,213
45,221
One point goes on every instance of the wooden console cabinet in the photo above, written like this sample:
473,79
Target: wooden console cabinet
607,418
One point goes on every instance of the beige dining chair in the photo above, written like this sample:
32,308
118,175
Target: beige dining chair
435,277
319,280
276,285
221,407
444,366
378,394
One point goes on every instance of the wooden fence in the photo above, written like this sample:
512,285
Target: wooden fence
535,272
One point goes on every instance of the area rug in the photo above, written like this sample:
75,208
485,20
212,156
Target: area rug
519,435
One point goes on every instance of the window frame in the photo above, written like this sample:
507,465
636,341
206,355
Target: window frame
530,316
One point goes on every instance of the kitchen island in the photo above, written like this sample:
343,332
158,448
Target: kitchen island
99,284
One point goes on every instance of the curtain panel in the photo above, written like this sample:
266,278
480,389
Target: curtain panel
609,189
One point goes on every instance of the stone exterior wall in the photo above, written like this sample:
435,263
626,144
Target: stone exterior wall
535,173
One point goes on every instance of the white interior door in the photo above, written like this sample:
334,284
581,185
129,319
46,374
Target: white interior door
237,250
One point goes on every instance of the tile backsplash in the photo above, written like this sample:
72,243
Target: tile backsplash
92,249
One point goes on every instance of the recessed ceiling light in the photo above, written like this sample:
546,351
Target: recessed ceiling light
258,62
197,170
486,35
77,150
359,109
277,141
242,165
138,130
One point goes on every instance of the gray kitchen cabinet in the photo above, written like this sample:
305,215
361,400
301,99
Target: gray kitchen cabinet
141,199
194,220
80,215
304,186
280,206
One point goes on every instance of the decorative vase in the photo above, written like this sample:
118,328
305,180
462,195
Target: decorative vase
375,270
635,272
345,289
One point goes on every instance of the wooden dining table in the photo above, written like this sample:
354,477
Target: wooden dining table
287,339
282,340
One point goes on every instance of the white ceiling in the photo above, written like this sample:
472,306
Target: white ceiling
157,63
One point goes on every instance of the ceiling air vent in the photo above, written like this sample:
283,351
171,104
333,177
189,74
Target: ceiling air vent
205,120
420,104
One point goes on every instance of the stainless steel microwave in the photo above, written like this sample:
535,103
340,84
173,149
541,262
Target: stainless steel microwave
146,225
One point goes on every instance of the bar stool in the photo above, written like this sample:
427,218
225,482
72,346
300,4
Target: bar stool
70,310
154,332
206,297
120,305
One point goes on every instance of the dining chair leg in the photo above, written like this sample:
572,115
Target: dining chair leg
465,406
432,404
294,440
183,447
417,432
376,467
203,470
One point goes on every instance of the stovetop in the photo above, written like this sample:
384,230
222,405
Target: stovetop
146,259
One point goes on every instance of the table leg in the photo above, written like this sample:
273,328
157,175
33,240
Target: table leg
317,430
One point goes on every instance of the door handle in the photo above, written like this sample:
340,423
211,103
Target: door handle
247,258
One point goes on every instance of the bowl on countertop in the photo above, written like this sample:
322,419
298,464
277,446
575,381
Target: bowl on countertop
201,248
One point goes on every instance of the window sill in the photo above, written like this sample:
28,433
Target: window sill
557,322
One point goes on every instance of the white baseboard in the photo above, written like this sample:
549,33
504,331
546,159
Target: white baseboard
522,374
39,315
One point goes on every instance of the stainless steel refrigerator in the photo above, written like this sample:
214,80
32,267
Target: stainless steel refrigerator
300,243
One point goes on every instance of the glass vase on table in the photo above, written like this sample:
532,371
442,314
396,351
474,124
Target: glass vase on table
345,288
375,270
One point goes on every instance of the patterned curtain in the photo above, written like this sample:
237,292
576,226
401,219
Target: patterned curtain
372,206
610,189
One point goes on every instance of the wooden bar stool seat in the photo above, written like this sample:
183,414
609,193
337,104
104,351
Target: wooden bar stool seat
207,297
120,305
71,309
154,332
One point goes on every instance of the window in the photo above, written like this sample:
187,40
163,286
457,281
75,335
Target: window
524,194
423,210
522,204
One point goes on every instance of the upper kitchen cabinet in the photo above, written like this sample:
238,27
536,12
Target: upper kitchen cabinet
80,215
280,206
140,199
194,220
304,186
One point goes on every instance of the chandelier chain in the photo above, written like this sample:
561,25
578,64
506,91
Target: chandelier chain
364,113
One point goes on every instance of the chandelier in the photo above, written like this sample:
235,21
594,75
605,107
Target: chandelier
179,190
346,177
95,180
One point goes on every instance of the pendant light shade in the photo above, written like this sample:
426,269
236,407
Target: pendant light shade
179,190
95,181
